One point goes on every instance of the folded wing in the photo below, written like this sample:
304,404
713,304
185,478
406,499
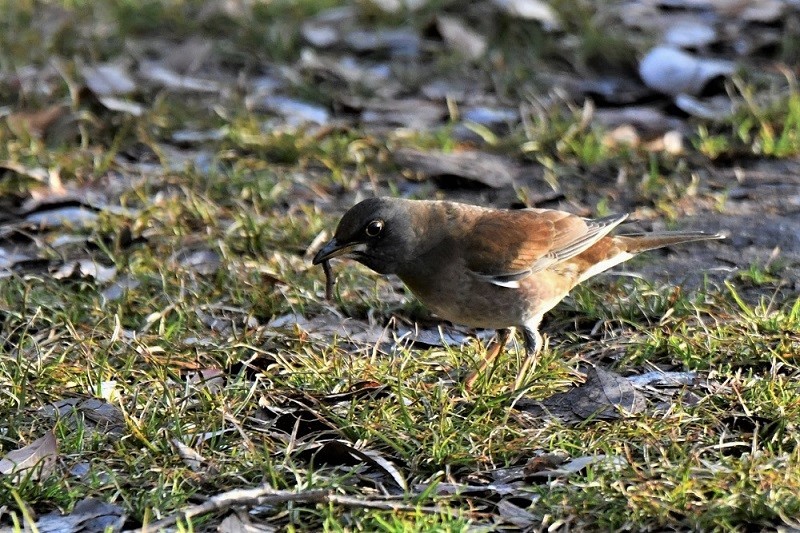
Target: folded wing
508,246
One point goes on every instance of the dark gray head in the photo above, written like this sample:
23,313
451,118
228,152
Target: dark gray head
377,232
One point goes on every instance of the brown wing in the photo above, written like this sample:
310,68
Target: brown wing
506,246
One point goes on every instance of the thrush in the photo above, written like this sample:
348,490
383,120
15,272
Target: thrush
488,268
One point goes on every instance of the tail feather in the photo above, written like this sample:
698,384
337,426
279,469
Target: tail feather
635,243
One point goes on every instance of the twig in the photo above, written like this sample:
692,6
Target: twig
265,494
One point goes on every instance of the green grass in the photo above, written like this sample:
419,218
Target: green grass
720,454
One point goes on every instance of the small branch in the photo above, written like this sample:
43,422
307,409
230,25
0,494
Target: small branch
265,494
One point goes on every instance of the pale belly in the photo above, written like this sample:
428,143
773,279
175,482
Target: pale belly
481,304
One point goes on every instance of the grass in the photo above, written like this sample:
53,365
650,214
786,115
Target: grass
210,240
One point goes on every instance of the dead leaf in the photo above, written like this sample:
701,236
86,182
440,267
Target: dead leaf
580,464
342,452
108,79
479,167
210,379
490,116
295,112
673,72
203,261
97,413
189,56
89,516
402,42
713,108
327,326
605,395
364,390
35,123
121,105
531,10
37,173
158,74
325,29
243,523
460,38
117,290
49,217
190,457
516,515
85,268
763,11
414,113
36,460
395,6
690,34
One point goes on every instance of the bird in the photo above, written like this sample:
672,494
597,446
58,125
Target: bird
489,268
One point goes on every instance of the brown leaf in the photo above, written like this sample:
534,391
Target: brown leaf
41,454
35,123
192,459
486,169
605,395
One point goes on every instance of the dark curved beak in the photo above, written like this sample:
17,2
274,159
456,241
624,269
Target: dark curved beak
335,249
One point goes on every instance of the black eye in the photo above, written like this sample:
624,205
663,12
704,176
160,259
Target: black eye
374,228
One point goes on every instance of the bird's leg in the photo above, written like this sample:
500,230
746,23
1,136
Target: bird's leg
533,345
491,354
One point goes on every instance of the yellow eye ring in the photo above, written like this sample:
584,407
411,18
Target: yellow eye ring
374,228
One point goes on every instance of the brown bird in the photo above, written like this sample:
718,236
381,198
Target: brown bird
487,268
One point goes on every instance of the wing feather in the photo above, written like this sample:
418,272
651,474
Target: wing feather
507,246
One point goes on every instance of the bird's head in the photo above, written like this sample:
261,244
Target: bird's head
377,232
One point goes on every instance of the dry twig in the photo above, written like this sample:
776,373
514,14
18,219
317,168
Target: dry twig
265,494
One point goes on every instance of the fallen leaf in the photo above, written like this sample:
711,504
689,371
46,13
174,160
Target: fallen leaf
516,515
605,395
402,42
85,268
243,523
158,74
690,34
36,460
108,79
35,123
580,464
122,106
296,112
97,413
486,169
673,72
414,113
341,452
190,457
460,38
89,516
531,10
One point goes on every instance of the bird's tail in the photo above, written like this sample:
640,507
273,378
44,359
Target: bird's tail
635,243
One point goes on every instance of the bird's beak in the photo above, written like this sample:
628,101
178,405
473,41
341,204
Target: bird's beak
334,249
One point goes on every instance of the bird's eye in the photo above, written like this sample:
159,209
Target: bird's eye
374,228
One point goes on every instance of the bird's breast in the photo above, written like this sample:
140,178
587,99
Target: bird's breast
452,293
